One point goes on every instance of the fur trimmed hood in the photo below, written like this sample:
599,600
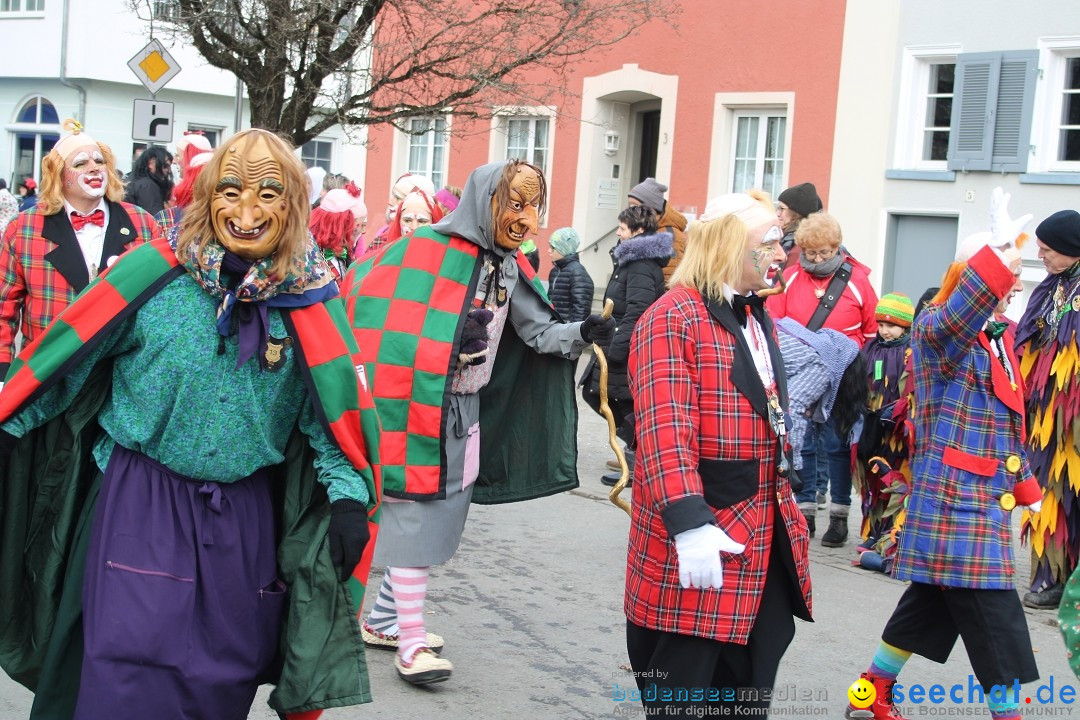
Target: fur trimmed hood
659,246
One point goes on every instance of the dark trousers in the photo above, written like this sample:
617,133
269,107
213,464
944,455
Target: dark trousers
726,674
929,618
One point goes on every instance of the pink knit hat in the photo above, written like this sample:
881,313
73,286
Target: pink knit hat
342,199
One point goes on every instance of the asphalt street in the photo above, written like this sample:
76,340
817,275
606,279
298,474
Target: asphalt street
531,609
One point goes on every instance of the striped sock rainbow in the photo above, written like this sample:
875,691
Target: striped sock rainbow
888,661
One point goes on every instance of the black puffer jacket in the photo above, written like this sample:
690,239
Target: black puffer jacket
571,289
636,284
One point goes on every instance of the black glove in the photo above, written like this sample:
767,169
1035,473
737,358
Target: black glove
474,336
348,535
598,329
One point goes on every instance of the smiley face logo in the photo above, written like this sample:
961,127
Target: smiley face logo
861,694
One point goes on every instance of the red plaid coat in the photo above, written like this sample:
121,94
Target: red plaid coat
969,422
706,452
42,267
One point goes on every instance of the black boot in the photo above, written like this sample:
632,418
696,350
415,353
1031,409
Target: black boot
613,477
836,535
1047,599
811,523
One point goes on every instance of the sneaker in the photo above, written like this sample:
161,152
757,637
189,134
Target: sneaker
1047,599
426,668
381,641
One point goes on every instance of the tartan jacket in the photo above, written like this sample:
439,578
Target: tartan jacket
46,492
42,267
969,422
706,454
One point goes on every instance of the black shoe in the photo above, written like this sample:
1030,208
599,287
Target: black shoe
1047,599
611,478
836,535
811,524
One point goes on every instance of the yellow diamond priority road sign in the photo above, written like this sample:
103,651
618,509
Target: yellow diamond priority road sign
154,66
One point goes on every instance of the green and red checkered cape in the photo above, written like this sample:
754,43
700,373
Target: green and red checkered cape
322,652
407,304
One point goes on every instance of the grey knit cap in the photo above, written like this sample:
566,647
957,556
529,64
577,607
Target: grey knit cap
651,194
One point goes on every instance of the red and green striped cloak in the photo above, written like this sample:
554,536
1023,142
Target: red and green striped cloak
48,491
407,304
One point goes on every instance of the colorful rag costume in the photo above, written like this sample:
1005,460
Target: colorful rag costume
882,472
135,381
1048,343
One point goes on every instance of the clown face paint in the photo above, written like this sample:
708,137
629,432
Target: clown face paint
414,213
248,206
85,177
764,257
520,217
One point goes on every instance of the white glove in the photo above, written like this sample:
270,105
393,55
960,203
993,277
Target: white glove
1004,230
698,551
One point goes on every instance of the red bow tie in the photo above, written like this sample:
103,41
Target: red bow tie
79,221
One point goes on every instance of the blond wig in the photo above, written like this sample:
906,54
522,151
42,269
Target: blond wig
715,251
51,195
197,229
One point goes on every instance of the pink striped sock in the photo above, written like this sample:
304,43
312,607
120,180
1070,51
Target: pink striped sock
410,588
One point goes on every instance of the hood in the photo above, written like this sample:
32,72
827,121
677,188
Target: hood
641,247
834,348
471,219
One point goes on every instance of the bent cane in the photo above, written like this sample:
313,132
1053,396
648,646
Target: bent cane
605,410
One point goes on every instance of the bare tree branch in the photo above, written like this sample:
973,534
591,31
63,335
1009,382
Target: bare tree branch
311,64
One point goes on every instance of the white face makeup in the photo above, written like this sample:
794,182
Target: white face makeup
85,175
765,257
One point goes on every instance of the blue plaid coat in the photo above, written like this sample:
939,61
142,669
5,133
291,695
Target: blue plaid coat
969,420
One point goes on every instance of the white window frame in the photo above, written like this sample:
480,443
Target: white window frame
34,128
333,150
219,133
911,106
760,158
21,13
727,108
498,138
403,142
1046,120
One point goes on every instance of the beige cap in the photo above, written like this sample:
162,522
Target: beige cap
75,140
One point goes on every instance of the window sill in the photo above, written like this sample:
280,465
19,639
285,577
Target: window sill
21,14
932,175
1050,178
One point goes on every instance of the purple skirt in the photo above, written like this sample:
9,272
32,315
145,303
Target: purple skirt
181,601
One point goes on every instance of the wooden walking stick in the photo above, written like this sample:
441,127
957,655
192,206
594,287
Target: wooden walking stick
605,410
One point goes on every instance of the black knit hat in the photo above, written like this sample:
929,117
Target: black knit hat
803,199
1061,232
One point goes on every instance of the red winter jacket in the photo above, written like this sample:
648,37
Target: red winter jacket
853,314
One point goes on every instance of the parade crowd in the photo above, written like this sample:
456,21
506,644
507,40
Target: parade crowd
222,403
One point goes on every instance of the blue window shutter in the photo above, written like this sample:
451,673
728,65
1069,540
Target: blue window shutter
971,134
1012,118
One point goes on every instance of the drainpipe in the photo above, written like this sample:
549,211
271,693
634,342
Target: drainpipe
81,117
